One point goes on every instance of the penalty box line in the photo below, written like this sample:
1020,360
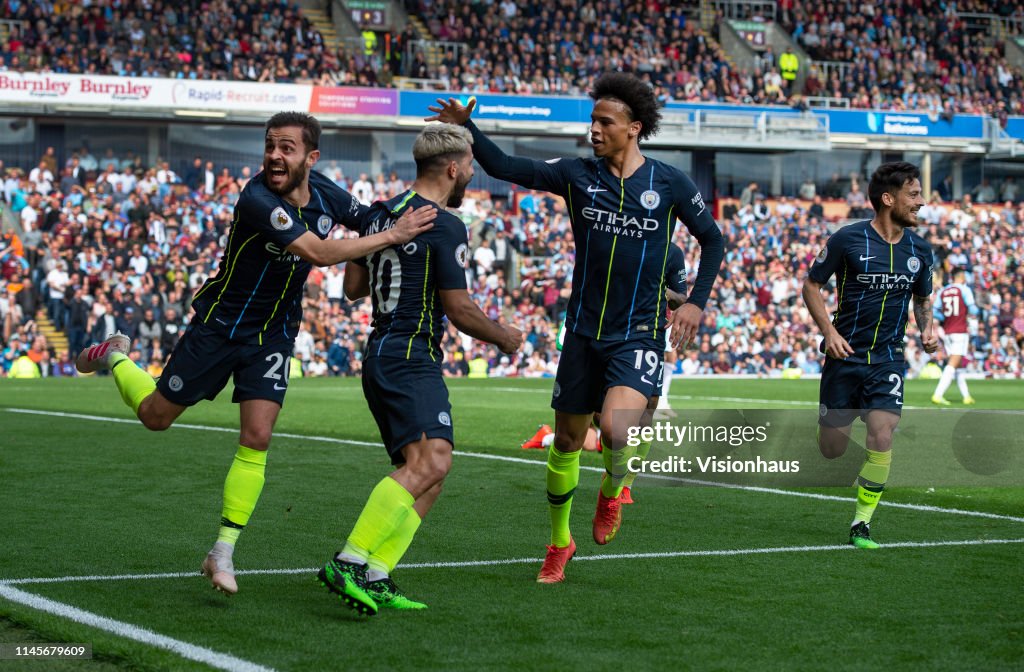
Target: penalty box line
508,458
728,552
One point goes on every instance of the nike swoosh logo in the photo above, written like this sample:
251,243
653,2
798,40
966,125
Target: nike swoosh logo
593,190
863,258
279,388
217,319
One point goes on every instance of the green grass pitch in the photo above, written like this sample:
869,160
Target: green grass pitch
100,496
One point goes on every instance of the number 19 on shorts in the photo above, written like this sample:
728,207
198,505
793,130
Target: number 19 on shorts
647,362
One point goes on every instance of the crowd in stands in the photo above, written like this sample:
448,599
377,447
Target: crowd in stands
124,247
259,40
909,55
901,55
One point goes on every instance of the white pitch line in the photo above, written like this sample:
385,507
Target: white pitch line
520,460
221,661
523,561
530,390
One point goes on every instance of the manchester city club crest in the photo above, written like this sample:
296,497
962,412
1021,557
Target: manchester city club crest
280,220
914,264
324,224
650,199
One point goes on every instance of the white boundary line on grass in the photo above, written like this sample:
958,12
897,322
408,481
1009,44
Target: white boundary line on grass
507,458
233,664
523,561
221,661
738,400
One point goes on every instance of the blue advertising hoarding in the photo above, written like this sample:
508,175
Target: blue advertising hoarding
848,122
867,123
913,124
1015,127
508,108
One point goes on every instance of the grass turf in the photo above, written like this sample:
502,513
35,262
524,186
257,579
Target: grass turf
86,497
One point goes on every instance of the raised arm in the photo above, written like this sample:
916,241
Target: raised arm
525,172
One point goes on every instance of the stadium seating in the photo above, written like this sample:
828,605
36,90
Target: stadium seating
897,56
97,258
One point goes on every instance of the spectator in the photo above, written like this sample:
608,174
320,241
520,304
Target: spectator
945,189
984,193
808,190
41,178
362,189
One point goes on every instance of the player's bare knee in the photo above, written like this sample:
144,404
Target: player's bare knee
565,442
429,463
618,436
439,464
830,451
832,445
154,421
255,439
879,440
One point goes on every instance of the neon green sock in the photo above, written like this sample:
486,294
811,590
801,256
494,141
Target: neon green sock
133,383
641,451
387,556
385,510
562,478
870,483
615,467
242,489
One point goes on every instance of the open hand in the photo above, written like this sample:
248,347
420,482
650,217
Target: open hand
414,222
452,111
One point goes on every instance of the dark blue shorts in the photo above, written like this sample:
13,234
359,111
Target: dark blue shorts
851,390
588,368
204,360
408,399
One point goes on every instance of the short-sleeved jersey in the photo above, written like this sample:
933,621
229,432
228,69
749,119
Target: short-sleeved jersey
405,281
623,230
956,302
874,281
675,270
256,294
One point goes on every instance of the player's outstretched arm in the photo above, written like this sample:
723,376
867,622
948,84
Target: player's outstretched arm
329,252
357,281
925,323
835,345
496,163
469,319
